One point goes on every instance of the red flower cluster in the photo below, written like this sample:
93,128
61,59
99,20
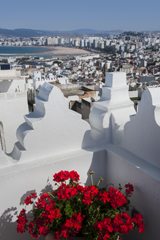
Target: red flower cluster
76,210
65,175
122,223
104,196
129,189
66,192
21,221
117,198
138,220
89,193
105,228
29,199
71,226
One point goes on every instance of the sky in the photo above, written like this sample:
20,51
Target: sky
135,15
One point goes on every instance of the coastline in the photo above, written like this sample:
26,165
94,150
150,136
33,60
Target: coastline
49,51
56,50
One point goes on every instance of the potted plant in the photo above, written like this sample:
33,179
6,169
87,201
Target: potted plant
71,209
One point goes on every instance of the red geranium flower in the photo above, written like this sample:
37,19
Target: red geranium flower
71,209
129,189
138,220
116,197
29,199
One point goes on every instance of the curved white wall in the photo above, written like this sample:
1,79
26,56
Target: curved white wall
51,129
142,133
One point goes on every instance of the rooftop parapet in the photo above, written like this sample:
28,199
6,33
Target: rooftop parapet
109,115
51,129
115,80
115,89
10,74
142,133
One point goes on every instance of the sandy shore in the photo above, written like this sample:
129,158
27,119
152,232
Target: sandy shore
66,51
49,51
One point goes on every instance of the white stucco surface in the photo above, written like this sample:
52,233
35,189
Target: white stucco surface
124,167
109,115
12,73
50,129
12,110
142,133
13,86
121,146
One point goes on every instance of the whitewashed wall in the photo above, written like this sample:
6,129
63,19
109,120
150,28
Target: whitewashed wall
109,115
142,132
124,167
13,86
9,73
56,139
51,129
12,110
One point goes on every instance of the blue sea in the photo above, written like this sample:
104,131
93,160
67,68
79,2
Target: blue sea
9,51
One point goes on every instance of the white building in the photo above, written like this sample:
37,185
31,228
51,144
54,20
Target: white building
63,80
39,80
52,41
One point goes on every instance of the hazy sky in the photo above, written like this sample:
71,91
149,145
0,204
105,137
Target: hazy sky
75,14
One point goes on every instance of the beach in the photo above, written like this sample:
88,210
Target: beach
40,51
56,50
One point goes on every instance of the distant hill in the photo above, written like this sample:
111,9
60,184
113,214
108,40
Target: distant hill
23,32
37,33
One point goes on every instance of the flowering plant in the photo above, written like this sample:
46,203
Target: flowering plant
76,210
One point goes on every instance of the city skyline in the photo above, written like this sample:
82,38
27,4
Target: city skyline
90,14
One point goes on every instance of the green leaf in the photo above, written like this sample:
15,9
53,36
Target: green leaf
68,210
